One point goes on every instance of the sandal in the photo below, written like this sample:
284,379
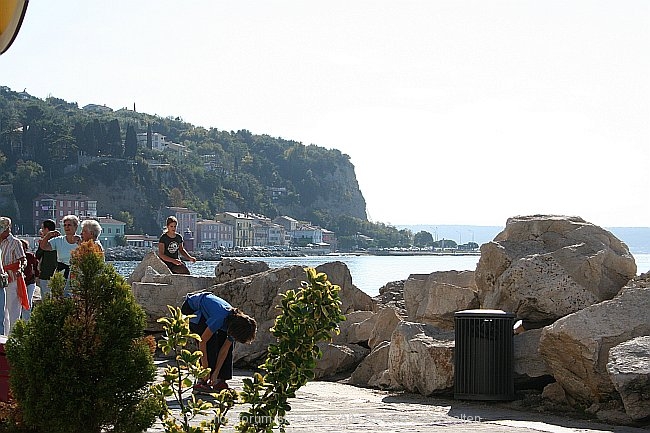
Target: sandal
221,385
202,388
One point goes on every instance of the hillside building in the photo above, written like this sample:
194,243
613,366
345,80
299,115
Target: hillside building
211,234
112,229
145,241
242,225
160,143
56,206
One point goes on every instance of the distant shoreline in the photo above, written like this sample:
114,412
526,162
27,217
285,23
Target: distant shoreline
138,253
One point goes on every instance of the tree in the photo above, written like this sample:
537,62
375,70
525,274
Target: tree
29,179
90,145
99,132
130,143
149,137
423,239
82,364
176,197
127,218
114,139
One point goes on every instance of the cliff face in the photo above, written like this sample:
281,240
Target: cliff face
340,193
143,192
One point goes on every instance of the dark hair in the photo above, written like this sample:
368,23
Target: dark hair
49,224
241,326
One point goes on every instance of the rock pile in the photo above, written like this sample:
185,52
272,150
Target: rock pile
572,283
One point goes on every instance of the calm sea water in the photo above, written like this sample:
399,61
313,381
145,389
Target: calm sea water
369,273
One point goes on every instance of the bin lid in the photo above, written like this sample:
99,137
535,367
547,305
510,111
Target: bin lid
483,313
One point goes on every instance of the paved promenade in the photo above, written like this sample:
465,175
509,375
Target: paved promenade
330,407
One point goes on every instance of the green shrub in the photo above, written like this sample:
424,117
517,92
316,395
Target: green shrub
81,364
308,316
179,376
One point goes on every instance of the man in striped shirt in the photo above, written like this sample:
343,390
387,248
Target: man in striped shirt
13,261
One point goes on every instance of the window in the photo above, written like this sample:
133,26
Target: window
61,203
61,213
117,230
36,213
110,230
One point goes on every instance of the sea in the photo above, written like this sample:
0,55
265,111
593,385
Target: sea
369,273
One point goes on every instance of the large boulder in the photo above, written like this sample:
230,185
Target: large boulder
392,295
529,366
373,370
150,260
356,327
230,268
338,358
576,347
259,295
352,297
434,298
421,358
156,291
384,323
629,370
544,267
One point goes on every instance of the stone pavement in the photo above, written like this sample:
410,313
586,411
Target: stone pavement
331,407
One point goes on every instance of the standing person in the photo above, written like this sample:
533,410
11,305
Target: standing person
4,282
13,261
47,260
90,231
219,325
170,246
63,245
31,274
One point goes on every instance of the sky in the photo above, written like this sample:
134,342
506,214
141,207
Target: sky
452,112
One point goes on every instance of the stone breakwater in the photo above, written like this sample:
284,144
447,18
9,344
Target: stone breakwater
138,253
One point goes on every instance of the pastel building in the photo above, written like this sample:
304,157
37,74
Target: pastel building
145,241
242,224
214,234
56,206
112,229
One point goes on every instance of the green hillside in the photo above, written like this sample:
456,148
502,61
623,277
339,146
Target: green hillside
54,146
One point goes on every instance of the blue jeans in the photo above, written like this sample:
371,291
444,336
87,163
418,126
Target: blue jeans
26,314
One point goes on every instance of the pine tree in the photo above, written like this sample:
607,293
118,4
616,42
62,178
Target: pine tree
82,364
114,139
131,143
149,137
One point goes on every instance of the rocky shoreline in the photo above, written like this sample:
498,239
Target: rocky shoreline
138,254
583,346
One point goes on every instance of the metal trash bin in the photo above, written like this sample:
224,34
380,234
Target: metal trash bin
484,355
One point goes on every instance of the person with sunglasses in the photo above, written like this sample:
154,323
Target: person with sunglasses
63,245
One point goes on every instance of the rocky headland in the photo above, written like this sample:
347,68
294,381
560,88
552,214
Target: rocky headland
585,345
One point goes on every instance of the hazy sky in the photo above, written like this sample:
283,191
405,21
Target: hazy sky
452,112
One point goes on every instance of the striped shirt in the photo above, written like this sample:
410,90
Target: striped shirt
12,250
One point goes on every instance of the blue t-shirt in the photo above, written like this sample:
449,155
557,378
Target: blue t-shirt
212,308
